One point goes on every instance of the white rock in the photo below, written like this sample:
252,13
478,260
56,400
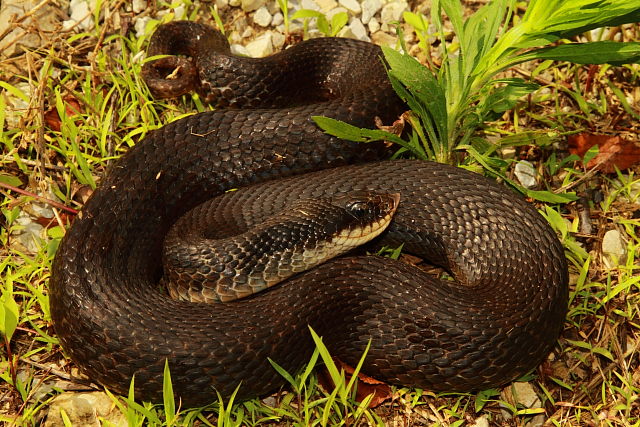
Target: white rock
526,174
293,5
393,11
251,5
369,9
351,5
81,15
309,4
238,49
277,39
273,7
16,107
234,3
293,27
334,12
179,12
383,39
262,17
84,409
373,25
480,422
359,30
613,244
140,26
235,37
139,6
222,4
248,32
326,5
16,37
261,46
346,33
278,19
522,394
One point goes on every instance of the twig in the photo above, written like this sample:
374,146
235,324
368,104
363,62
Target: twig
22,18
42,199
35,163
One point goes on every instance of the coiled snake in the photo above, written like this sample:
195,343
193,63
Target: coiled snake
497,320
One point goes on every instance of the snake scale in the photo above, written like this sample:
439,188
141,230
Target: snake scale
497,320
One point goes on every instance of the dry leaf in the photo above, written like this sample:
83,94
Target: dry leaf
614,151
365,384
52,118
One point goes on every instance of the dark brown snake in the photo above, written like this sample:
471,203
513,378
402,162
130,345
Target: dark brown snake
497,321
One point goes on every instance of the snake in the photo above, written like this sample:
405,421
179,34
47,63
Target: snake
493,316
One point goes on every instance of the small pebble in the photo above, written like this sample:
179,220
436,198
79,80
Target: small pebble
80,15
613,245
277,39
277,19
369,9
352,5
526,174
346,33
238,49
373,25
309,4
393,11
139,6
359,31
523,394
326,5
248,32
261,46
262,17
334,12
179,13
251,5
480,422
383,39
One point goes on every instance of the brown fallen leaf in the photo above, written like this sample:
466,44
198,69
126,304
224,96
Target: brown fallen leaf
52,118
365,384
614,151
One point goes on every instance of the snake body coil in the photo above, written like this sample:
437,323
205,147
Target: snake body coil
498,320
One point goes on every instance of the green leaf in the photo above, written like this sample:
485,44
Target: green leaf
423,93
338,21
283,373
504,98
167,395
306,13
352,133
10,180
483,397
15,91
602,52
9,313
556,221
549,197
323,25
591,153
418,22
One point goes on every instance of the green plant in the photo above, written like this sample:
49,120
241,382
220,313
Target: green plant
284,8
449,104
329,29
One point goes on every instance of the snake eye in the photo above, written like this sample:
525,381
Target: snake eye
358,209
